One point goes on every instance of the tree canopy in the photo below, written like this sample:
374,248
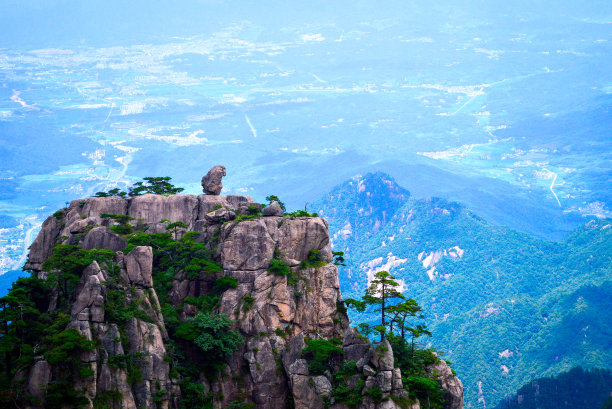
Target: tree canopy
158,185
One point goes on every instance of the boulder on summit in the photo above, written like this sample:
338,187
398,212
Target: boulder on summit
211,182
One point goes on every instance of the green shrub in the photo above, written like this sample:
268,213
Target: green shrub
375,394
204,303
339,258
247,302
320,354
224,283
301,213
212,334
416,379
67,263
314,260
159,185
341,392
107,399
61,394
119,310
253,210
240,405
279,267
194,396
425,389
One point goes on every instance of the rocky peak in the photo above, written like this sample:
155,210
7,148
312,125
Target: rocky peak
360,207
273,279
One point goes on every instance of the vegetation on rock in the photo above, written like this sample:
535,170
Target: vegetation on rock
158,185
152,322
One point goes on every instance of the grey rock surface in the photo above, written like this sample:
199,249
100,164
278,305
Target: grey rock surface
38,380
384,356
103,238
273,209
89,304
139,266
275,314
212,181
42,247
452,385
250,245
322,385
155,208
219,216
147,209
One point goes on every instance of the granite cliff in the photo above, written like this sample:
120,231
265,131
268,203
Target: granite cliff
132,320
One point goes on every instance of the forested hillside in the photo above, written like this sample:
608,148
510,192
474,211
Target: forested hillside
575,389
504,307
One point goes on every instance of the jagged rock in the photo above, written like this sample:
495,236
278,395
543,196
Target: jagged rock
273,209
103,238
115,380
208,203
250,245
149,209
299,367
111,339
42,247
96,206
356,347
38,379
368,371
322,385
160,227
384,379
397,379
274,313
262,363
89,303
212,181
219,215
146,339
79,226
384,356
153,208
139,266
453,388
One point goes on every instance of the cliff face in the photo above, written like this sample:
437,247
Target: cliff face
279,313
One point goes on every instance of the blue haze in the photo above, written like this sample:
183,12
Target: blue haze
502,106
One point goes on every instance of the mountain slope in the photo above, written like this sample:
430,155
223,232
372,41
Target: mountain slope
575,389
224,307
504,306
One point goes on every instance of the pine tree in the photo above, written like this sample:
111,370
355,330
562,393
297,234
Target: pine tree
381,290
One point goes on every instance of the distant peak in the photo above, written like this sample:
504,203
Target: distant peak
376,183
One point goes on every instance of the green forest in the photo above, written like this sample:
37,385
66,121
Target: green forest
504,306
576,389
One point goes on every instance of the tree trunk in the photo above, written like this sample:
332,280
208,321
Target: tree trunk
382,295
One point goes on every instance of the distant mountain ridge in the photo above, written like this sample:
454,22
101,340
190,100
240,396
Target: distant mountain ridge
504,306
575,389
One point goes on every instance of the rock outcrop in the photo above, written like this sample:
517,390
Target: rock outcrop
103,238
115,304
212,181
452,386
273,209
70,225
